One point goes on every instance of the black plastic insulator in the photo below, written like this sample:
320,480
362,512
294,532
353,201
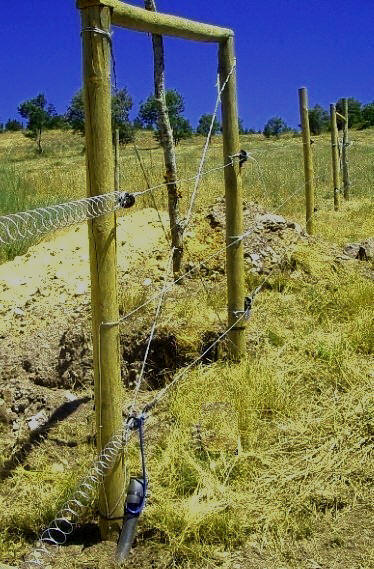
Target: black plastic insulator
126,200
133,508
243,157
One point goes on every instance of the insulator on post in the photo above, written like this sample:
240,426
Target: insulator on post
126,200
133,507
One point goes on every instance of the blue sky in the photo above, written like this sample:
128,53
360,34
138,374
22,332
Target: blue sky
326,45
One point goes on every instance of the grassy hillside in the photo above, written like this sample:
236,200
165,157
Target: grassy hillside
266,464
28,179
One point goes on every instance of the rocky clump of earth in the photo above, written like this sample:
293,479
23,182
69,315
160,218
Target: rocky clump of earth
362,251
268,239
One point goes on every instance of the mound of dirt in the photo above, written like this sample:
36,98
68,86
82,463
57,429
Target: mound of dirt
269,236
361,251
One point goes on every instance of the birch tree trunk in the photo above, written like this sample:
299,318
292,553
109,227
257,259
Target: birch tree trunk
167,143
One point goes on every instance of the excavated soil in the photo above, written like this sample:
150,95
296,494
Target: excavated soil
45,338
269,237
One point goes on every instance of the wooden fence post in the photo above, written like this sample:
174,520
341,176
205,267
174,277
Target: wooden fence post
335,157
308,160
346,181
234,201
116,161
102,238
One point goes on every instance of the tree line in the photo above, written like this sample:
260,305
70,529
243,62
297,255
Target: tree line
41,115
360,116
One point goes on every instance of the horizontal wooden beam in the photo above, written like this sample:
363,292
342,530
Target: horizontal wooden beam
134,18
342,117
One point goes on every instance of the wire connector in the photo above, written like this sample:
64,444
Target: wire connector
248,305
243,156
125,200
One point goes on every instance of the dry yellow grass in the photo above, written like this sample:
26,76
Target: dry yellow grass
285,452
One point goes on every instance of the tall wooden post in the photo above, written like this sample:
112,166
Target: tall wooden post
308,160
116,161
102,237
346,181
234,201
335,157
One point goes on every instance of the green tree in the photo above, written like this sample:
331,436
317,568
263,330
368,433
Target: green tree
126,132
242,130
121,104
137,124
368,115
204,125
12,125
182,129
319,120
275,127
40,116
149,110
75,113
58,122
354,112
147,116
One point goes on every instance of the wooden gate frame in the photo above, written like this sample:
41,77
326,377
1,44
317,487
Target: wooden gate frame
97,18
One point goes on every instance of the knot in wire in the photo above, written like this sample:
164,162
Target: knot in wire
108,35
243,156
95,30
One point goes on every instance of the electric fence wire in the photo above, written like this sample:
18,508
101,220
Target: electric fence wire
235,241
63,525
36,222
182,180
24,225
154,202
207,142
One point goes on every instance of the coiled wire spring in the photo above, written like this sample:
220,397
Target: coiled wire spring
64,523
35,222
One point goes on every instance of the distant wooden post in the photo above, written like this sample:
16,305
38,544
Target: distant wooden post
102,237
335,157
308,160
116,161
346,181
234,202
